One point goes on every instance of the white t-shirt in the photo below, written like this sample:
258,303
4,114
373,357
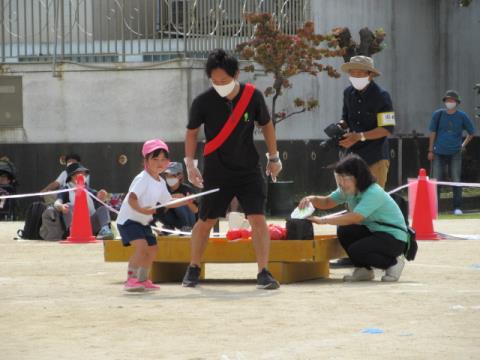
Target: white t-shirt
149,192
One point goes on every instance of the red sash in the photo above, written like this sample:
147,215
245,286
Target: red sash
232,121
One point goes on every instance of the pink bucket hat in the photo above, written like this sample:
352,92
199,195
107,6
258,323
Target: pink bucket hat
151,145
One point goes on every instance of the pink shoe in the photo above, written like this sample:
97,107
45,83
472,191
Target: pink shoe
132,285
149,285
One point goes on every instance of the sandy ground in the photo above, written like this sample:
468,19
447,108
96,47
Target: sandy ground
64,302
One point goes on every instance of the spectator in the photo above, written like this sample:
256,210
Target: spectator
100,217
61,180
182,217
445,143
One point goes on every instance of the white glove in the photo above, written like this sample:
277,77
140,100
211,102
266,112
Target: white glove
273,167
194,175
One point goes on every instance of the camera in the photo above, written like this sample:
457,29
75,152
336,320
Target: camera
335,133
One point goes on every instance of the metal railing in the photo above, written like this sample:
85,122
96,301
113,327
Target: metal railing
132,30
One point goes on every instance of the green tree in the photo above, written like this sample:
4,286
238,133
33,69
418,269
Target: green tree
284,56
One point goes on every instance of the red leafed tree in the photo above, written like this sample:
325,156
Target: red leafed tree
284,56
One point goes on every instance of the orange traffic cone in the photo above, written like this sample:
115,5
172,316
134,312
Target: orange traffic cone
81,228
422,214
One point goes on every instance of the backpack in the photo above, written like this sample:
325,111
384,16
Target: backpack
52,225
299,229
412,246
33,221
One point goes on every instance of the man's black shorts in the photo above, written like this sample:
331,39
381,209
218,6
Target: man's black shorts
251,194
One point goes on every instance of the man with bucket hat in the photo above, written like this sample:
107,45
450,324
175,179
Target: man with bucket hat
368,111
445,143
100,217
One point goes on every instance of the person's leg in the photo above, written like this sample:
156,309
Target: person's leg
438,166
456,174
380,171
168,218
135,264
260,239
349,234
184,216
379,250
199,241
212,207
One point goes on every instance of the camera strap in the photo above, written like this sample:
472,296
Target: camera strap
232,121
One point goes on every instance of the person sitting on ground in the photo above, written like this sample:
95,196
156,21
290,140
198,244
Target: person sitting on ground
100,216
183,217
61,180
363,230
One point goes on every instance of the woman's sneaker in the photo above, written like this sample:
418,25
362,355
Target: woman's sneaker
149,285
360,274
192,276
393,272
266,281
132,285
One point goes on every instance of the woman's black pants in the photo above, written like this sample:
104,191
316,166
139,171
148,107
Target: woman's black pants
367,249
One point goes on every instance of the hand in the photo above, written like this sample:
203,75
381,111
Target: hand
304,202
430,155
178,196
65,208
349,139
102,194
273,169
194,176
317,220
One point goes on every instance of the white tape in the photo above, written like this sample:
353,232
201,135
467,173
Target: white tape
36,194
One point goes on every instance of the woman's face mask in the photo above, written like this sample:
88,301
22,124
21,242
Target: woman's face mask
224,90
359,83
450,105
172,181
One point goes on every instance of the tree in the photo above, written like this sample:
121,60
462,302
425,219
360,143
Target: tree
285,56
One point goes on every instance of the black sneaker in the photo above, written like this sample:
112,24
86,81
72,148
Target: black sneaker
266,281
191,276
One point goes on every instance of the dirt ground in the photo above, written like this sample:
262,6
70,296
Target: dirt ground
64,302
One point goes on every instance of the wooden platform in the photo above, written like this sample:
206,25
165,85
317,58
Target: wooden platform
290,260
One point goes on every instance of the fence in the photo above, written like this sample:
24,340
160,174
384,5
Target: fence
132,30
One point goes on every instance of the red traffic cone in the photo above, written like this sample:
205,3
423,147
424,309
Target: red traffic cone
81,228
422,214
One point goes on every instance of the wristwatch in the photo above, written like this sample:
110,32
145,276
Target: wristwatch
362,137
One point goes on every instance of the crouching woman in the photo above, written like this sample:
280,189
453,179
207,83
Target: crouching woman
363,230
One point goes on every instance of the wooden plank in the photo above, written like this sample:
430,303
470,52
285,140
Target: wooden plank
177,250
287,273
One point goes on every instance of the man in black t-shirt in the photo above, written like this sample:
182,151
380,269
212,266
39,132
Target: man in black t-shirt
182,217
234,166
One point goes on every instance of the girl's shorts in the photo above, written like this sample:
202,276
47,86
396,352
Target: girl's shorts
132,230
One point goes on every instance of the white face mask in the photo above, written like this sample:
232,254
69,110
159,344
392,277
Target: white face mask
450,105
359,83
224,90
172,181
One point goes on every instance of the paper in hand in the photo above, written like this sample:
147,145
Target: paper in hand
303,213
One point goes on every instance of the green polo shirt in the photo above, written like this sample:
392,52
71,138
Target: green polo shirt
374,204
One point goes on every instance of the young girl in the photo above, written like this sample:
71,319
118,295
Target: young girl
146,190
